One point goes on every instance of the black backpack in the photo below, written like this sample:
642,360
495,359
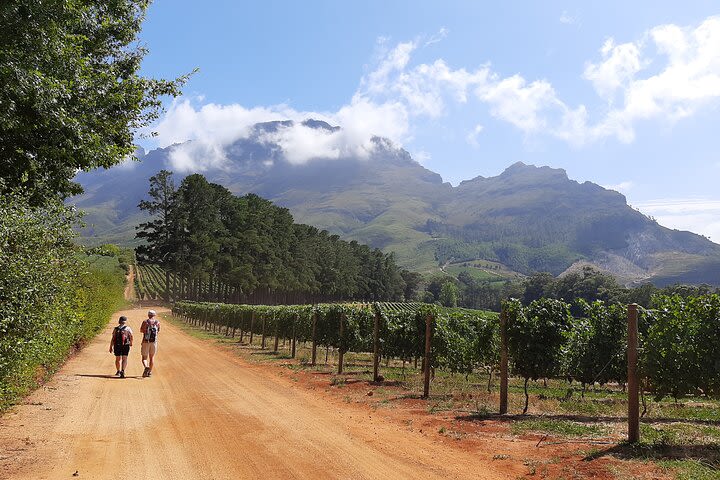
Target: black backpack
122,336
151,332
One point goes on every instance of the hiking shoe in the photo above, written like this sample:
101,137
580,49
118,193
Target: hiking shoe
146,372
122,374
117,374
149,372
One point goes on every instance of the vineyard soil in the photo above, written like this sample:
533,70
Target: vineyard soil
208,414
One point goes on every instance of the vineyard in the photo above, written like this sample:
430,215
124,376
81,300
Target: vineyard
543,340
149,282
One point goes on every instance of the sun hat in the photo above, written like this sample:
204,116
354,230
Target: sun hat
152,313
122,319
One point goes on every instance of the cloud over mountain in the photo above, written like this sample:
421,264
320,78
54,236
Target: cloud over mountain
671,72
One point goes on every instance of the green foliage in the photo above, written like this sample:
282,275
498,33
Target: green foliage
597,343
72,97
537,335
682,345
51,298
461,339
248,249
449,294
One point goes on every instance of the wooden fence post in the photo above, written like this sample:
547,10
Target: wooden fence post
633,384
376,347
262,343
428,347
314,341
341,353
252,326
294,334
277,339
503,362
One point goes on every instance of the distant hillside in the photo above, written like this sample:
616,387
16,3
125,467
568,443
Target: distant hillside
525,219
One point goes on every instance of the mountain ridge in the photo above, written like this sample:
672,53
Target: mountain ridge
528,218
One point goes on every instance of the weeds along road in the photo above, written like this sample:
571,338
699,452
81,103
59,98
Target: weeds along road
205,414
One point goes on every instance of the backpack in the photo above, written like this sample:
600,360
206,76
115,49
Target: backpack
122,336
151,332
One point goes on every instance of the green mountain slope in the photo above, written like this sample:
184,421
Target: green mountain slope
525,219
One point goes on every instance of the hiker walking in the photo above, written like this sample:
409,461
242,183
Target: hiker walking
120,343
150,329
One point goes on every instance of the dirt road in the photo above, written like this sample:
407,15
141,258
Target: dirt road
205,414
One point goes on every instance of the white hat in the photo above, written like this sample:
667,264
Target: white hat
152,313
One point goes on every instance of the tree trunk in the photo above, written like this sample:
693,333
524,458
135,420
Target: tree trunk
167,285
527,398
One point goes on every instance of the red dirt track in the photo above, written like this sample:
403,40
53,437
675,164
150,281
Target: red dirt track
207,414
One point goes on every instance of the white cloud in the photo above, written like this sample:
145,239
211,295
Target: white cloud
686,62
619,66
670,73
211,128
566,18
438,37
696,215
472,136
621,187
421,156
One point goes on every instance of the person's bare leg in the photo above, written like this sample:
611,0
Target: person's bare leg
117,364
145,361
124,362
152,356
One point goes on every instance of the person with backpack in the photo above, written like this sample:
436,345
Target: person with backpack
150,329
120,343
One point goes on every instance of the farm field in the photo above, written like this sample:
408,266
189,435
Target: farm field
564,434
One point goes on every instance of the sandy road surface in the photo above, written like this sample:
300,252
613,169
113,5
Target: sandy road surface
205,414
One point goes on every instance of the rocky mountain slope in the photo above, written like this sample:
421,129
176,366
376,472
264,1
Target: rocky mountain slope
527,218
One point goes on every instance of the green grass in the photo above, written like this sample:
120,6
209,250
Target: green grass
690,469
563,428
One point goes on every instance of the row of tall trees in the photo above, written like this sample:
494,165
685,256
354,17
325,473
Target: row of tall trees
215,245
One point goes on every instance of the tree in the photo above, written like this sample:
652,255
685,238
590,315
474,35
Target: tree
71,96
537,286
413,281
449,294
160,233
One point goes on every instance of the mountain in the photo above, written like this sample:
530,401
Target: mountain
526,219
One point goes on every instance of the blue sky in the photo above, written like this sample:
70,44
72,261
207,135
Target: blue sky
624,94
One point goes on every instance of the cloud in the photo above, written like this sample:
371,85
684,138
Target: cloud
472,136
621,187
696,215
619,66
421,156
438,37
686,78
211,128
566,18
669,73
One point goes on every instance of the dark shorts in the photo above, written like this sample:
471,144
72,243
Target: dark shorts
122,350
